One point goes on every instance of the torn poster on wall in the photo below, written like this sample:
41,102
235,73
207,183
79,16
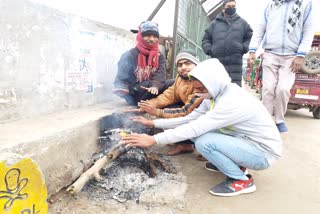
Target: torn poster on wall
82,75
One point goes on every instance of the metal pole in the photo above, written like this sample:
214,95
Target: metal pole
156,10
215,8
174,41
202,1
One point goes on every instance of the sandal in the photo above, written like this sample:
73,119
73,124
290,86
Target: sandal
181,149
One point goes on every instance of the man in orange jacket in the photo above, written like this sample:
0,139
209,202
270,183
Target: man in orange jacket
179,99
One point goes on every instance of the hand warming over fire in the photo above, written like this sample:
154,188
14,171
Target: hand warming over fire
143,121
120,92
133,110
140,140
147,107
152,90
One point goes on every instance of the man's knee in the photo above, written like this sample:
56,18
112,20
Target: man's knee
268,89
199,144
283,89
203,144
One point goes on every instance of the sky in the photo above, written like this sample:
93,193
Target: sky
128,14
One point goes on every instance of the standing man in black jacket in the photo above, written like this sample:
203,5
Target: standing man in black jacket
227,38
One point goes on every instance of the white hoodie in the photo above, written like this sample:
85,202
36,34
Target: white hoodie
239,113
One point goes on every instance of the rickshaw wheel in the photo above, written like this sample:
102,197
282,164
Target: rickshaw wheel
311,63
316,113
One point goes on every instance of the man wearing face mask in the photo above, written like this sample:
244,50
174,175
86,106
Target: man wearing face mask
227,38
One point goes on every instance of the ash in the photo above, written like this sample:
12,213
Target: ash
123,183
128,176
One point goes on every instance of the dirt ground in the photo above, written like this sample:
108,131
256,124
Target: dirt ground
291,185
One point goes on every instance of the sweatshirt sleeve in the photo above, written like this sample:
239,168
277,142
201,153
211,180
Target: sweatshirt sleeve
222,115
192,103
207,41
125,71
247,38
174,122
307,32
259,31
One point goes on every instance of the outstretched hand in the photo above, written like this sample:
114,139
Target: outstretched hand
120,91
143,121
147,107
152,90
140,140
133,110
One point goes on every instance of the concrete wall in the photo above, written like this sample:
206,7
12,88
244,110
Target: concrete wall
51,61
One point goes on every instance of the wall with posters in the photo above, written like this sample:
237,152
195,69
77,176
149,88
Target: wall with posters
51,61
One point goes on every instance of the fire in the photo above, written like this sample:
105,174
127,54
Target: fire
123,134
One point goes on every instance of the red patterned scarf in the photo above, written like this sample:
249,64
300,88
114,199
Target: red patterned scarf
144,70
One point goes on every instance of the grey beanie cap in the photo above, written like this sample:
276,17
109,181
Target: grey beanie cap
188,54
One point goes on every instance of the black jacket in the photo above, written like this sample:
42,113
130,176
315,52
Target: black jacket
228,40
128,64
126,78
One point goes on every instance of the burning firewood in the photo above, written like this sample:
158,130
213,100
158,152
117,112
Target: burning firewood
93,172
147,161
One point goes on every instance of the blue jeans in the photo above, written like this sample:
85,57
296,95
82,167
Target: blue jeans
227,153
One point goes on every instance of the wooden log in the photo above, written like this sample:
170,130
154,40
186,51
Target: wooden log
93,172
148,162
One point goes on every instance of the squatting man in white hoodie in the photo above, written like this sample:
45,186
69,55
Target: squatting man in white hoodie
231,129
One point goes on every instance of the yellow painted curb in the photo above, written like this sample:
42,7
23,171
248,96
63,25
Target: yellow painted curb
22,188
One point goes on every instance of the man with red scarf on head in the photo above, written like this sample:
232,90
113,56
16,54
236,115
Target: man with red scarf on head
142,70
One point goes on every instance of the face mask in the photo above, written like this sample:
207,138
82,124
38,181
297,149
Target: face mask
203,95
230,11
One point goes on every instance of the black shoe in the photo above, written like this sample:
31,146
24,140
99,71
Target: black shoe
209,166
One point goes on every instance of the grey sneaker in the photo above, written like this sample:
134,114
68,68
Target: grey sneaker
209,166
233,187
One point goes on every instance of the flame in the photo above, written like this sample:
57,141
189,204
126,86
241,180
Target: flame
123,134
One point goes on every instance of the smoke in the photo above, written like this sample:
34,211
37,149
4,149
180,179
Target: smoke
121,120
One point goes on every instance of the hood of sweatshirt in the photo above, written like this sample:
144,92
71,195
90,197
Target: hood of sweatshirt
212,74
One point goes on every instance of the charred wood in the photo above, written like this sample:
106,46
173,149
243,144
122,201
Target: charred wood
113,153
